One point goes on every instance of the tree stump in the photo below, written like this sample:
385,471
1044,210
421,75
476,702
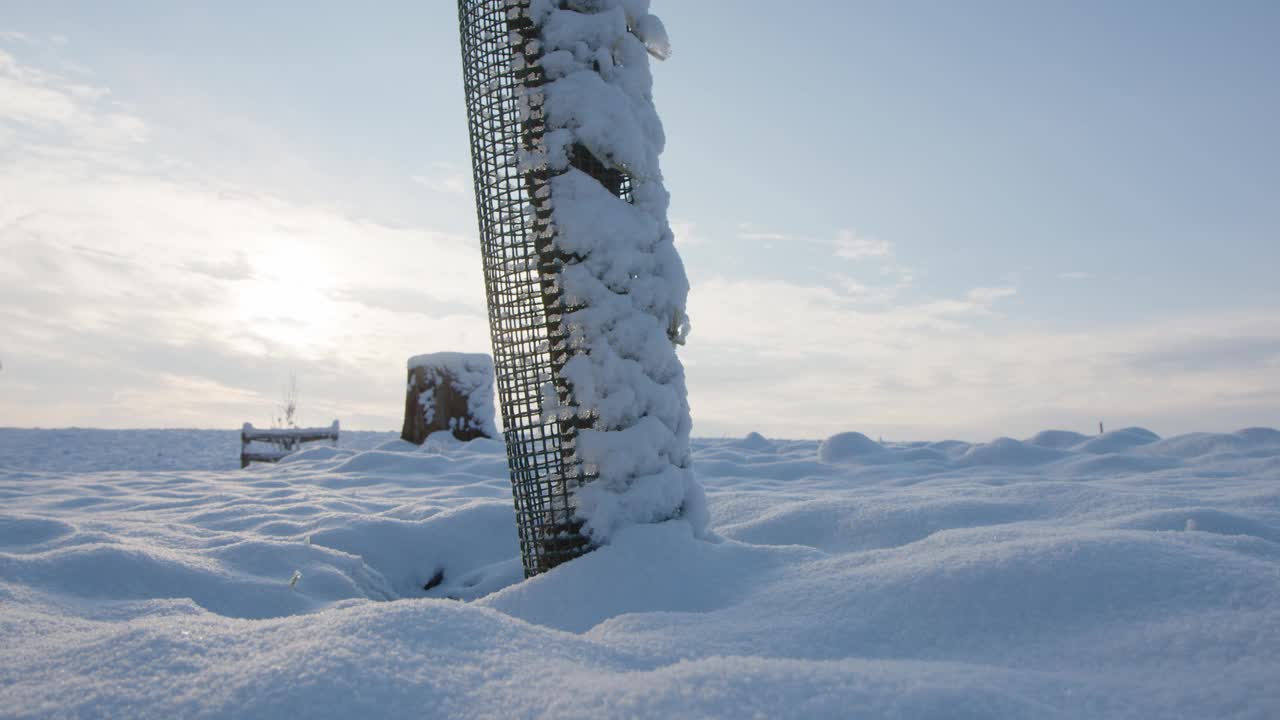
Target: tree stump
449,391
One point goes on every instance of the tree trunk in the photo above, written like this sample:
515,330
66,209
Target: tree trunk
437,398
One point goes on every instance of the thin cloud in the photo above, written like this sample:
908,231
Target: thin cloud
18,37
686,234
406,301
749,231
60,114
875,294
1210,354
851,246
455,183
920,369
234,270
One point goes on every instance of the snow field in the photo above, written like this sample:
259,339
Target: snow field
1059,576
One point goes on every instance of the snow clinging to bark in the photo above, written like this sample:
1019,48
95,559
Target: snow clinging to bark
624,278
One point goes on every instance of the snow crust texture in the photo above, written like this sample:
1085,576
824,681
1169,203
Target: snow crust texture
622,283
1050,577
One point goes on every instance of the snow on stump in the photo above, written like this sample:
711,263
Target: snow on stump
449,391
585,289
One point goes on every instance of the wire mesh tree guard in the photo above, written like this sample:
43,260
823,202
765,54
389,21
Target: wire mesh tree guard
502,75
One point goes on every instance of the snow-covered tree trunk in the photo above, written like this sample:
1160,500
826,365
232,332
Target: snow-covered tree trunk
598,194
588,270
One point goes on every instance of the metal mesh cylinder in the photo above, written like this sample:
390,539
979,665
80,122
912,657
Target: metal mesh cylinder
502,74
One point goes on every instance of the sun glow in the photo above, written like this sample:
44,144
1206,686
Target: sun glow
287,299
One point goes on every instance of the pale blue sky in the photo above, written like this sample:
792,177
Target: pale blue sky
910,219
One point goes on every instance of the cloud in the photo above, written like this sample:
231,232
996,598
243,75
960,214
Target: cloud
59,115
977,301
407,301
1209,354
21,38
871,294
788,319
235,269
893,278
135,291
795,360
452,182
851,246
847,244
131,295
686,234
749,231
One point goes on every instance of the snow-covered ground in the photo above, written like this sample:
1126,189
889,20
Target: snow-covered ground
143,575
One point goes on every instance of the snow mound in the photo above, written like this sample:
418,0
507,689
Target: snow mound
1119,440
1057,439
1117,463
1259,436
847,447
1007,451
755,441
1197,445
1200,519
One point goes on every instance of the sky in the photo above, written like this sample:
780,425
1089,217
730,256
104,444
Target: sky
916,220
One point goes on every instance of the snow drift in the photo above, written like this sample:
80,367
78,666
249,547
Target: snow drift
921,580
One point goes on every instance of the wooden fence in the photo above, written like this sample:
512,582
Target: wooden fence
282,441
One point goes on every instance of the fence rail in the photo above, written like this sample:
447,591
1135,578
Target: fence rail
283,441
